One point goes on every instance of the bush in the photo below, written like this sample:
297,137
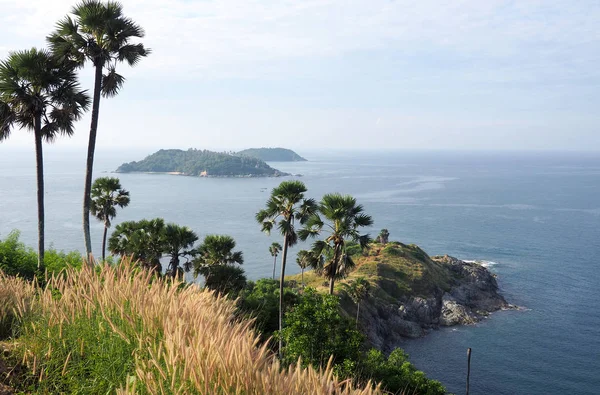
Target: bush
260,301
315,330
224,279
396,374
16,259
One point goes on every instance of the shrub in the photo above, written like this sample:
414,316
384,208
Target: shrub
260,301
314,330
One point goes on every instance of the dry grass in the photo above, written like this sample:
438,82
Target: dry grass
145,335
16,296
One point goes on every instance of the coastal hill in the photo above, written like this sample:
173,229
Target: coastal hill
412,292
272,154
201,163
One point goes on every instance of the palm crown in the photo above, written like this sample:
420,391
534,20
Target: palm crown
340,220
107,195
34,87
217,250
102,34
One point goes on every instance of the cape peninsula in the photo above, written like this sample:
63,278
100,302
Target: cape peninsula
201,163
412,293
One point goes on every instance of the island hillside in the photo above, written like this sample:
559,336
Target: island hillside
411,292
201,163
272,154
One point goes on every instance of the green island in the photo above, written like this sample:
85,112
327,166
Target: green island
201,163
273,154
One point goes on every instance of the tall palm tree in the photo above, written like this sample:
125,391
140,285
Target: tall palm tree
100,33
178,240
107,195
144,240
274,249
39,94
358,290
339,220
286,205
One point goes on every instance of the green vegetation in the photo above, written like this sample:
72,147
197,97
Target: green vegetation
98,33
16,259
199,163
107,195
272,154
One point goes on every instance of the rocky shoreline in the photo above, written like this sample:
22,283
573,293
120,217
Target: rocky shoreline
473,295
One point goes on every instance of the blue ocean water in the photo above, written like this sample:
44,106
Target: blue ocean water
534,216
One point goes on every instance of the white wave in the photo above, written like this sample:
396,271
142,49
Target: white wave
484,263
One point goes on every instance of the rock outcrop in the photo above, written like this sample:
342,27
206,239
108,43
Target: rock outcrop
471,294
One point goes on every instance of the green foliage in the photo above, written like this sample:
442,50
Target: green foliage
99,359
224,279
315,330
397,374
272,154
260,300
195,162
16,259
144,240
107,195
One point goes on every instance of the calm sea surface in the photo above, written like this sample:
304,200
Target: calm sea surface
534,216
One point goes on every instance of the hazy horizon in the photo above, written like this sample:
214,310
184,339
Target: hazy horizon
469,75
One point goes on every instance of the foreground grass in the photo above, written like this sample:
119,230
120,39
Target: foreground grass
118,330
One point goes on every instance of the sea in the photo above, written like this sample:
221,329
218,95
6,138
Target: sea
532,217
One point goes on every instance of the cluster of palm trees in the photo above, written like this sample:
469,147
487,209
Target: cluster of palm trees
333,221
40,92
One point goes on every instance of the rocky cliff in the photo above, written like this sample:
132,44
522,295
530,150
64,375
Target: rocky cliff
412,293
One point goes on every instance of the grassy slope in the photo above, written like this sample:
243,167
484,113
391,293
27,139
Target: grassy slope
395,271
118,330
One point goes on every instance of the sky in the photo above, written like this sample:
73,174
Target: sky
344,74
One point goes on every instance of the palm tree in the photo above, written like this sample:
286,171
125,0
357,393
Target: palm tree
143,240
215,250
100,33
383,236
39,94
285,205
274,250
177,243
307,259
358,290
343,219
107,195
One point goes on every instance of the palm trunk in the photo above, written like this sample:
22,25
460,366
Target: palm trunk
336,256
90,163
303,277
39,160
274,264
104,242
281,281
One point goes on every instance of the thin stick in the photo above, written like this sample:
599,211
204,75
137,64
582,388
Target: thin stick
468,367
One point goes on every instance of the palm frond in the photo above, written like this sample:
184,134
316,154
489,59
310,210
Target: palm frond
112,83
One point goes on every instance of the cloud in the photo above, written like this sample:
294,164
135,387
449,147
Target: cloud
426,71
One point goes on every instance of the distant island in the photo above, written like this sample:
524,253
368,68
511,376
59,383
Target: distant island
273,154
201,163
